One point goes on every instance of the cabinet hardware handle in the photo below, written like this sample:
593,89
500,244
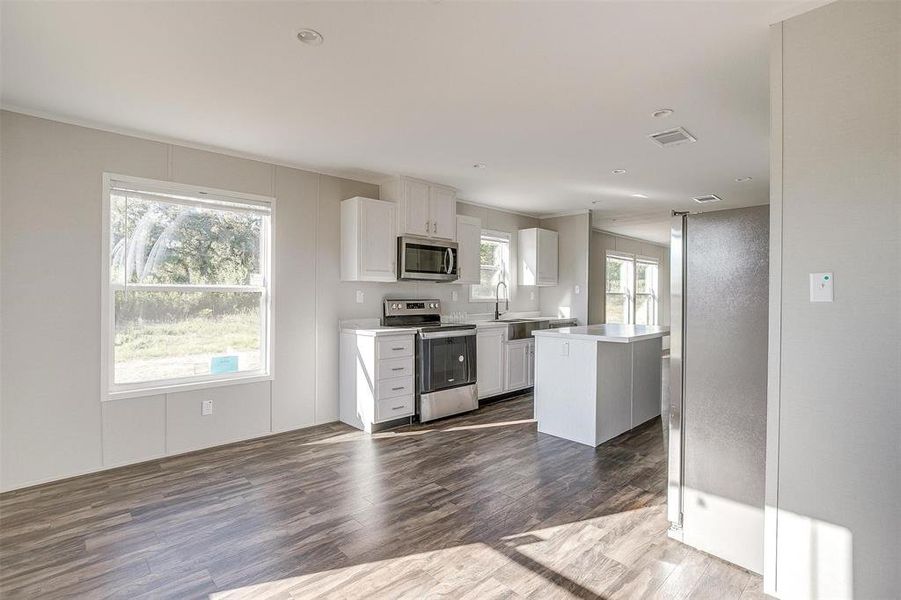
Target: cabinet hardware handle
427,223
397,369
401,348
435,227
397,407
395,389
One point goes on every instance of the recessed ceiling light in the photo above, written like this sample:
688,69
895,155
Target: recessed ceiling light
639,196
707,198
310,37
478,166
742,179
662,112
618,171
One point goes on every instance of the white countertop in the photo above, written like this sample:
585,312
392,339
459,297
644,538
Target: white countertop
622,334
372,327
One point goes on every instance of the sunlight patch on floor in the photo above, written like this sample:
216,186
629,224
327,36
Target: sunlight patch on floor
565,560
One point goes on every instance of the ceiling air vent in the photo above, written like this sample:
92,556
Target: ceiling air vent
706,199
672,137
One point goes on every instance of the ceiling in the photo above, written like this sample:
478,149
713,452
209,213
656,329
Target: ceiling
551,97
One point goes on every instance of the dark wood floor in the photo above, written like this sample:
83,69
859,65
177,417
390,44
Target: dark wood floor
479,506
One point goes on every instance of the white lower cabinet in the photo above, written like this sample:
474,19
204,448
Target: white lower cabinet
519,369
503,366
376,378
490,361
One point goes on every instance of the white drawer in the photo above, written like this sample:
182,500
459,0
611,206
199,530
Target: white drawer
393,408
395,347
395,367
391,388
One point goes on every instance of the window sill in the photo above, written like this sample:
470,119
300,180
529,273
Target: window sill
183,387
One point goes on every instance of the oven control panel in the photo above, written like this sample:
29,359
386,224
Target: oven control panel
395,307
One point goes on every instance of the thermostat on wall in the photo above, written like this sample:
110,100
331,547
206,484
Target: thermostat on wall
821,287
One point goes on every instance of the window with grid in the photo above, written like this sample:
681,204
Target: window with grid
188,294
631,289
494,261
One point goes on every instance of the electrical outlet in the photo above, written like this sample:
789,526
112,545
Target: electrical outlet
359,296
532,295
578,289
454,296
206,408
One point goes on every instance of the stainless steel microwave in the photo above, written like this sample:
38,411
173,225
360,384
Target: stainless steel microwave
426,259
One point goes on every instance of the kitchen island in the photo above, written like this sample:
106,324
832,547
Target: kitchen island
595,382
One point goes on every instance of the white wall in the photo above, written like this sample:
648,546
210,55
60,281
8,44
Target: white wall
52,421
834,402
601,241
569,298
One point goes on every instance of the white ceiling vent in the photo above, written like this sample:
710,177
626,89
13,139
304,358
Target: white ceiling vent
673,137
706,199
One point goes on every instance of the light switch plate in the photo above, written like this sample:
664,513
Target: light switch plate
564,350
359,296
206,408
578,289
454,296
821,287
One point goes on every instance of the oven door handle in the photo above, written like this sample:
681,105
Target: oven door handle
435,335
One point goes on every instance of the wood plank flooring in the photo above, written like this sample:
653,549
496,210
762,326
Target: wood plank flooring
480,506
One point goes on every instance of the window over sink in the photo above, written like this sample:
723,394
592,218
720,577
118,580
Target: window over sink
494,265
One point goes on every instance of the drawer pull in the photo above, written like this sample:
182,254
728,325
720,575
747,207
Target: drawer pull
398,349
397,369
402,406
395,389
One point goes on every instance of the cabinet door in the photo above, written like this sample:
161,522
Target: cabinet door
469,240
416,208
517,365
490,362
547,257
443,212
530,366
378,243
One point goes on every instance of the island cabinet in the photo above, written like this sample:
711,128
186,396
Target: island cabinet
424,209
490,344
538,257
594,383
368,240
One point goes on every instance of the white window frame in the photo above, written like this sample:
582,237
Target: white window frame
631,294
498,236
113,391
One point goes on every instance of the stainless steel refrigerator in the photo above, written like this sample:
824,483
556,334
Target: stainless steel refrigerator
718,377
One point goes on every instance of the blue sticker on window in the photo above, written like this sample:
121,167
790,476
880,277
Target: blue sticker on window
223,364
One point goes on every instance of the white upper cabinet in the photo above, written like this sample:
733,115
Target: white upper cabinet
443,210
368,240
424,209
416,218
469,240
537,257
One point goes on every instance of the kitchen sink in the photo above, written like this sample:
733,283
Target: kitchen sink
521,329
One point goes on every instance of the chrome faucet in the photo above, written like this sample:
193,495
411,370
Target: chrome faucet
497,299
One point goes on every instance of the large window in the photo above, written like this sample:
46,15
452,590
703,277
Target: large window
632,283
494,265
188,288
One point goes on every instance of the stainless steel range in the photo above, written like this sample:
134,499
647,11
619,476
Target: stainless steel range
445,358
